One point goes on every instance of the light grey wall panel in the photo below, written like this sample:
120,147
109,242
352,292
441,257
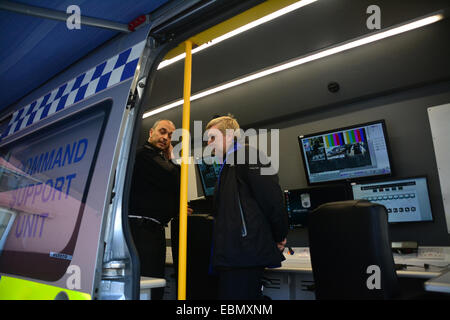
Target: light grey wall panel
440,128
411,148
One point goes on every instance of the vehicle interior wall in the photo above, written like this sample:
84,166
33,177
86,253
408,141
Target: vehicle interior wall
395,79
410,142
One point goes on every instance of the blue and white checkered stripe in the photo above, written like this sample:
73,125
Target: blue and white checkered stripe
113,71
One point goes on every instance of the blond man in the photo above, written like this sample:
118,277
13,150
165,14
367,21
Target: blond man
250,219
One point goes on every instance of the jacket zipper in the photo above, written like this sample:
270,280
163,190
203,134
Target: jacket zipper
244,227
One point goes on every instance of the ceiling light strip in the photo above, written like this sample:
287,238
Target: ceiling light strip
299,61
251,25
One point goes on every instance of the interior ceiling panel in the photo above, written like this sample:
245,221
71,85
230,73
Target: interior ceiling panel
364,72
414,58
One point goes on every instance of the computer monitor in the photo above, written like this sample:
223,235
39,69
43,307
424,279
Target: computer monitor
301,202
209,170
193,179
406,200
350,153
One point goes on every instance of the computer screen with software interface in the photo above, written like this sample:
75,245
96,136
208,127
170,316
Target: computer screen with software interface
209,170
301,202
406,200
349,153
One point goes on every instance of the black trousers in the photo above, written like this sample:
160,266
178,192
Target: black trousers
150,241
240,283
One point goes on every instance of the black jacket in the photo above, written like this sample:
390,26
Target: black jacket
155,188
249,240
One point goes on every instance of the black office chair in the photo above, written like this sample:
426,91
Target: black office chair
200,284
345,239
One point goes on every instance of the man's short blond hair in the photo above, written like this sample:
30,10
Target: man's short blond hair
224,123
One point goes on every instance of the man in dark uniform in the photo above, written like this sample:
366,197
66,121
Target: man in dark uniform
154,200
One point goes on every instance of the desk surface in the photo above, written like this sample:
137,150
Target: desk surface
440,283
148,283
300,262
420,273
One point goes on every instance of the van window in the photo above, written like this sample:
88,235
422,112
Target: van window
44,181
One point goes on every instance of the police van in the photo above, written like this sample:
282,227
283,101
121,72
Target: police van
66,154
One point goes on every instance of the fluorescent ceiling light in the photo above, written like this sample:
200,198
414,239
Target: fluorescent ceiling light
299,61
239,30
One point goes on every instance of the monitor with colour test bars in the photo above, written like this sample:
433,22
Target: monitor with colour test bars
346,154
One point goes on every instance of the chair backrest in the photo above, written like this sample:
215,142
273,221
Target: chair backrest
350,251
200,284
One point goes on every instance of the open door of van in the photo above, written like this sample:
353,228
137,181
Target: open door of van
66,156
62,234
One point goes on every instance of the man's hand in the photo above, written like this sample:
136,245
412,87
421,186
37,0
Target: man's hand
189,211
168,153
281,244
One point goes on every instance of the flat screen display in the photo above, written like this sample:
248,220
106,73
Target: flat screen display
209,171
301,202
406,200
350,153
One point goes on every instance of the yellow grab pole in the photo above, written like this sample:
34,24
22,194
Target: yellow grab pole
184,174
